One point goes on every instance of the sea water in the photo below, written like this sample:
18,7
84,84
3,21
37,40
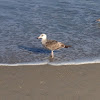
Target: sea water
72,22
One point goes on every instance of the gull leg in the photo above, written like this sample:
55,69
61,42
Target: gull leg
52,54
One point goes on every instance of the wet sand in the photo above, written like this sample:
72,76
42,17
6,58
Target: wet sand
45,82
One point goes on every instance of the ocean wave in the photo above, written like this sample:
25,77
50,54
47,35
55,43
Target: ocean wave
53,64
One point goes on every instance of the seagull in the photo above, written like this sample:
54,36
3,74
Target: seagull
51,44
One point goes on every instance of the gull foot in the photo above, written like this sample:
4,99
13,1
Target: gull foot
51,56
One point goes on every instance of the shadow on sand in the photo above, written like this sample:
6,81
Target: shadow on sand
34,49
37,51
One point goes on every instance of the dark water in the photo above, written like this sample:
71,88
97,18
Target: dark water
69,21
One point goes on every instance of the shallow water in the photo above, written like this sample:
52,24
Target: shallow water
71,22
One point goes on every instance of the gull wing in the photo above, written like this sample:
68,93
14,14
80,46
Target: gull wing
54,45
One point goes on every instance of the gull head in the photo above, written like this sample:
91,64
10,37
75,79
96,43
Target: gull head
42,36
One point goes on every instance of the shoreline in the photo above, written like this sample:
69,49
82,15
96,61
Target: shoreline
46,64
47,82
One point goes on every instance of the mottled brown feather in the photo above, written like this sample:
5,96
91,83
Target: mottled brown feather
54,45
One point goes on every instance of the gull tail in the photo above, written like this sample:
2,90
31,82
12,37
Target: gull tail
67,46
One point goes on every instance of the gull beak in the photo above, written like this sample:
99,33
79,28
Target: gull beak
38,37
98,20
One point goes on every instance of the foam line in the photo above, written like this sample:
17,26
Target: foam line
54,64
72,63
23,64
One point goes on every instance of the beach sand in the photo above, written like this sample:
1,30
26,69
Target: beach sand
46,82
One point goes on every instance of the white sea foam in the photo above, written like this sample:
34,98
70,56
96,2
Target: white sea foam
74,63
24,64
78,62
54,64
